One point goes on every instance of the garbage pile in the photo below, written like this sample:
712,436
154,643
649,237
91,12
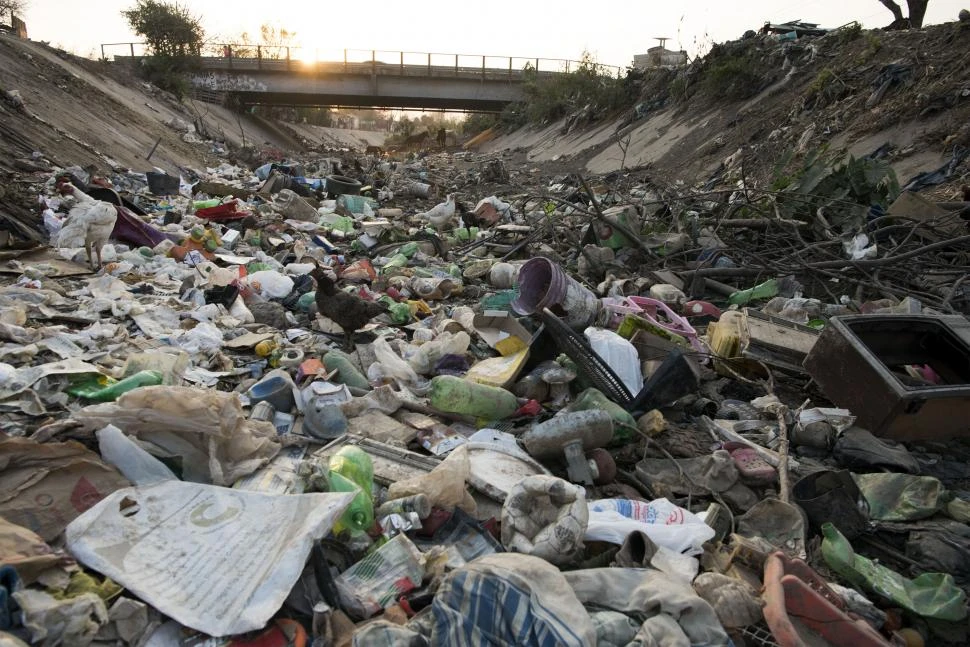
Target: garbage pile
443,401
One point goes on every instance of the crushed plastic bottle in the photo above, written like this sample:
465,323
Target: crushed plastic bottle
931,595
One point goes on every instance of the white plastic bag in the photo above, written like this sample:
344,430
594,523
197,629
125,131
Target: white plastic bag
396,368
666,524
619,354
428,354
270,284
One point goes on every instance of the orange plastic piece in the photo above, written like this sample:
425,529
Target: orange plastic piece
793,590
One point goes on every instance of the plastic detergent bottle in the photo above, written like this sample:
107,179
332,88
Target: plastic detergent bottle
456,395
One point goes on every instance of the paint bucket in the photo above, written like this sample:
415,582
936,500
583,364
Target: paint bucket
832,496
543,284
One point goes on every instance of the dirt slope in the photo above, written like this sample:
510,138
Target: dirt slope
77,111
769,98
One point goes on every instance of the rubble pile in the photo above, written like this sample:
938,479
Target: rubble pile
445,400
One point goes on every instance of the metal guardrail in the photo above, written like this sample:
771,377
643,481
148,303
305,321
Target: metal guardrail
401,63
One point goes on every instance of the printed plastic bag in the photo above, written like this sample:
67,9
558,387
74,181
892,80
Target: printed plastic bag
666,524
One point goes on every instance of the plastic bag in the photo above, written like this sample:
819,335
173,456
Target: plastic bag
378,580
427,355
666,524
619,354
444,485
204,338
270,284
397,369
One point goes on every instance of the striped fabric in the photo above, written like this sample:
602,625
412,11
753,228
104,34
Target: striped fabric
509,599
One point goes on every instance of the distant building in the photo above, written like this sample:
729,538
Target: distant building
659,57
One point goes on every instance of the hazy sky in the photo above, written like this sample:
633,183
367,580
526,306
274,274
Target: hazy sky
612,30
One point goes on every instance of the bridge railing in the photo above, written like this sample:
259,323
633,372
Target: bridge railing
323,60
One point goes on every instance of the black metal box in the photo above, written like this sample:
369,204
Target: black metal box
876,366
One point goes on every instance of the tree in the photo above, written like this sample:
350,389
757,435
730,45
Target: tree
917,11
173,37
275,40
12,7
169,30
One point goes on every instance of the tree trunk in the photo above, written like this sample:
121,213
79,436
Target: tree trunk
917,10
896,9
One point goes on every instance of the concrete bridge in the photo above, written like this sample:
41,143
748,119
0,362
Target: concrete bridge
261,75
374,84
386,80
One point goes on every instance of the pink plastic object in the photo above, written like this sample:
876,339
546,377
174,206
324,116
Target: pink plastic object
701,309
793,590
656,312
754,470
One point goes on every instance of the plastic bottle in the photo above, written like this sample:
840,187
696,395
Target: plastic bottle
114,391
932,595
592,399
455,395
418,503
785,286
359,515
355,464
206,204
347,372
351,468
669,294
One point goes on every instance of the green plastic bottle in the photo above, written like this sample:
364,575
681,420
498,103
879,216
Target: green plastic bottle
592,399
931,595
359,515
351,469
114,391
355,464
456,395
400,312
398,260
765,290
347,372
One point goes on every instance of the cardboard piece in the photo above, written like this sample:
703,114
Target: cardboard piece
45,486
504,333
55,266
30,555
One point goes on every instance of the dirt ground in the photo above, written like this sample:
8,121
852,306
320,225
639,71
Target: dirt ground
804,95
77,111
